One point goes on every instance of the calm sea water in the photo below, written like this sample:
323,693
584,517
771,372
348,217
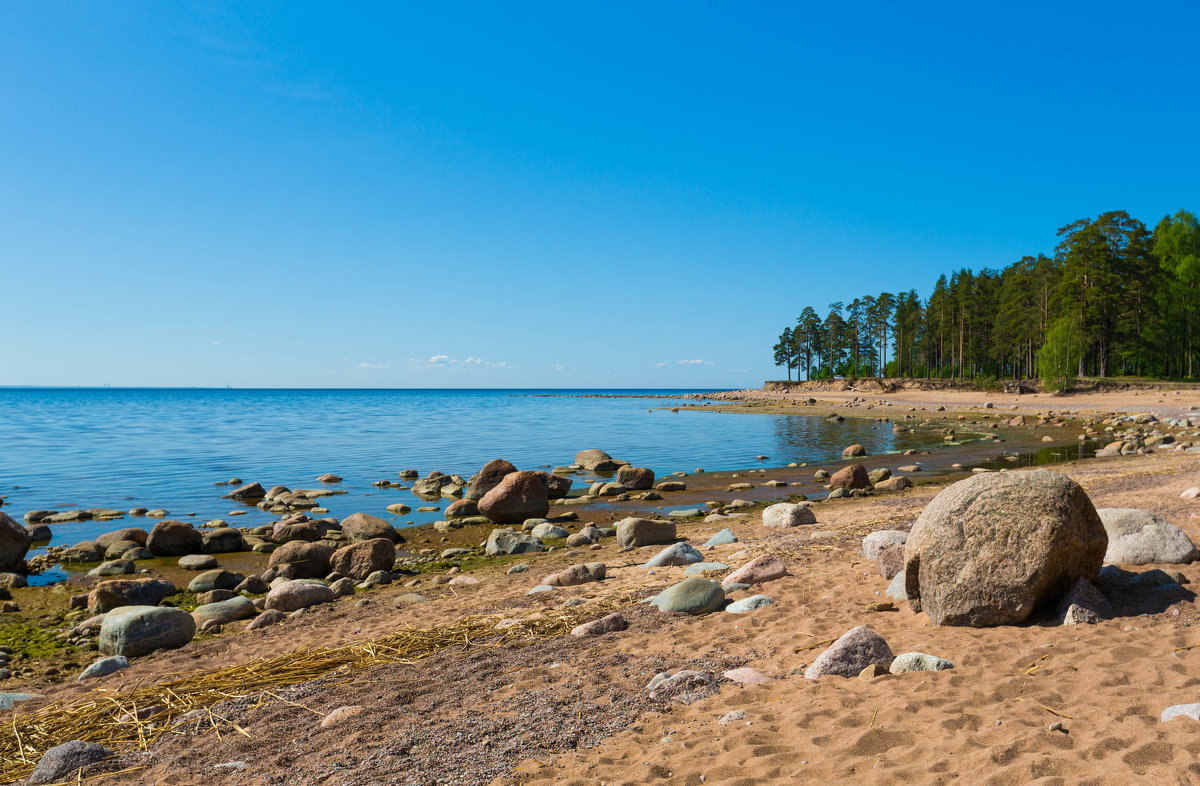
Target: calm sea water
62,449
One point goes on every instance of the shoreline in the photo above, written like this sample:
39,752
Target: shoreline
649,644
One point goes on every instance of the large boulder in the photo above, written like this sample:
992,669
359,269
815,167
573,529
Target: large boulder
14,543
108,595
174,539
506,540
488,478
857,649
636,478
225,611
1138,537
293,595
518,496
788,514
358,527
644,532
991,549
139,630
304,560
851,477
596,460
359,560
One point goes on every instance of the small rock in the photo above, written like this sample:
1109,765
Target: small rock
918,661
340,714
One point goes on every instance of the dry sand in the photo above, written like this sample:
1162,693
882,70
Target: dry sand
574,711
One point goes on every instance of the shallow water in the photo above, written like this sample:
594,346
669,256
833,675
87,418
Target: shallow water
63,449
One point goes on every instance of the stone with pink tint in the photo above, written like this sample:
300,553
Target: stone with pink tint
340,714
464,580
763,568
609,624
746,676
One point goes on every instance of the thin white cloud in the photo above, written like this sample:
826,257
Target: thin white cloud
661,364
372,366
696,362
445,361
557,367
739,371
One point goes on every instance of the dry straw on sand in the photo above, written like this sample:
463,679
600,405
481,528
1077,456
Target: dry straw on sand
111,718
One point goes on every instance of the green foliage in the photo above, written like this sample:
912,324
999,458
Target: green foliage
1132,297
1058,358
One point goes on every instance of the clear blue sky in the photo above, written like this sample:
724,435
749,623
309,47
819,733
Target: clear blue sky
558,194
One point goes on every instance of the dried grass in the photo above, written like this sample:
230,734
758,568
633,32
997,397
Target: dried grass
110,717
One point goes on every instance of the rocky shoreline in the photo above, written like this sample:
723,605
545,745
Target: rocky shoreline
175,589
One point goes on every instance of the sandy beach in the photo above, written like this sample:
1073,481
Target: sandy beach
563,709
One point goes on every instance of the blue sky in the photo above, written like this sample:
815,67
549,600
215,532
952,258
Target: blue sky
557,194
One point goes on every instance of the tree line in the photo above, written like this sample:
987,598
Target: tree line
1115,299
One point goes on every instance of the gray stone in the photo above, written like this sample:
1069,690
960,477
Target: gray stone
7,700
685,513
1181,711
518,568
692,596
1084,604
683,687
198,562
133,631
644,532
896,588
292,595
215,579
113,567
788,514
104,666
857,649
1138,537
752,603
548,531
63,762
705,567
675,554
722,538
874,543
918,661
508,541
225,611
